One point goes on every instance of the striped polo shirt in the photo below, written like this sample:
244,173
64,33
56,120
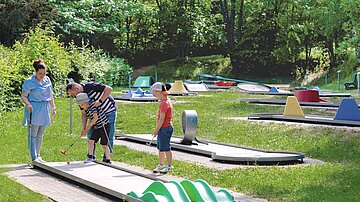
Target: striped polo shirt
102,120
94,91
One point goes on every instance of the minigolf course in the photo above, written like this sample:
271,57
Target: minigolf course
218,151
309,98
221,78
185,191
348,114
276,91
123,184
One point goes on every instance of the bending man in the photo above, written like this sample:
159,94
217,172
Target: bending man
99,94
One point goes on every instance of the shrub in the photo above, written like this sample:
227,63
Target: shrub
88,63
94,65
42,44
9,80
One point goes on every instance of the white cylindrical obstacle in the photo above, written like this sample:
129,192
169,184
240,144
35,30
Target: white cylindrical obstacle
189,126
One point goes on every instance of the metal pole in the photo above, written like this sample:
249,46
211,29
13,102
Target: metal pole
358,80
156,79
338,73
71,80
129,77
71,109
307,79
326,78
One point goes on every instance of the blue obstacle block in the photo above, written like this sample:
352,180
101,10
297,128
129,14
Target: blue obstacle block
139,91
273,90
128,95
348,110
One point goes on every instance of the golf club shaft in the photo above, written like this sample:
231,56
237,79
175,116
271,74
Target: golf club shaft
29,156
151,140
107,137
73,143
71,113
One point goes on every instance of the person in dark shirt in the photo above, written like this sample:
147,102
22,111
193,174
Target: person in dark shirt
99,95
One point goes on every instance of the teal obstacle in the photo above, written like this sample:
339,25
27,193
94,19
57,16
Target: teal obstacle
209,76
143,81
201,191
186,191
159,191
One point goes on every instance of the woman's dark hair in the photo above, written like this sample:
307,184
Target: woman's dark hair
39,64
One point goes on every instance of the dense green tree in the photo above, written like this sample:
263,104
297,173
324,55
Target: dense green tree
18,16
351,27
268,37
99,22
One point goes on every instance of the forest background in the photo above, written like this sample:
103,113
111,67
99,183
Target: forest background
106,40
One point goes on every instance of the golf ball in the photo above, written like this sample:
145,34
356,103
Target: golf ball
68,162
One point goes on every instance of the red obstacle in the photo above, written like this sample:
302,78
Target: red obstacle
308,96
224,83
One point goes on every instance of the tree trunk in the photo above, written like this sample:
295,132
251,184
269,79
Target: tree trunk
229,21
240,21
330,47
128,23
307,52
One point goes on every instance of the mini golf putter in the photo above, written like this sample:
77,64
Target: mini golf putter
149,143
29,164
63,151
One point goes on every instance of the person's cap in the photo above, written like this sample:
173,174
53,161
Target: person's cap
158,86
81,97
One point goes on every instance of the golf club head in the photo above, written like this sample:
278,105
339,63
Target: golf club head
63,152
149,143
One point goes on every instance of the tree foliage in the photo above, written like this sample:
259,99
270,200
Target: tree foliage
272,37
62,62
18,16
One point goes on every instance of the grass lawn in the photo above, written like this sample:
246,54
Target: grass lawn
336,180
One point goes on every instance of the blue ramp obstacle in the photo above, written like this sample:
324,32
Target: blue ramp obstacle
273,90
137,95
348,110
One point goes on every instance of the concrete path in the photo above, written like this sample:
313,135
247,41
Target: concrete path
59,190
54,188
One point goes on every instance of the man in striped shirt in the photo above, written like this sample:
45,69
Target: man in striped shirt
98,122
99,95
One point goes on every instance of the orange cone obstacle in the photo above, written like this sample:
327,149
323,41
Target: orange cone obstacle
178,88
